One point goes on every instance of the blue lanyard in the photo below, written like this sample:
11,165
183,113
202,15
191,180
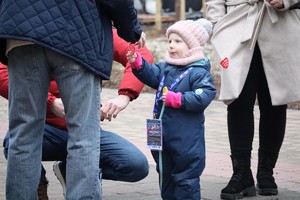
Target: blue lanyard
161,84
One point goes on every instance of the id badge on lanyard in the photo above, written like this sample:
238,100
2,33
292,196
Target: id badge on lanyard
154,126
154,134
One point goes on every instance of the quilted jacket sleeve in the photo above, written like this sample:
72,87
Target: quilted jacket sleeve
124,18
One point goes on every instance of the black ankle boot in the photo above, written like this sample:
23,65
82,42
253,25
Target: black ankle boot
241,183
265,181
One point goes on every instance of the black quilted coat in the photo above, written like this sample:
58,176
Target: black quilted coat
79,29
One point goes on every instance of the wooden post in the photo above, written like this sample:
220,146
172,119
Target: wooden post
177,9
204,8
158,15
180,9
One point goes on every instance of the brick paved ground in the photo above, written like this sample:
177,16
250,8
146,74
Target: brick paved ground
131,124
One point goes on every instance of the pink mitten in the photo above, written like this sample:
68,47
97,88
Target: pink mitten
173,99
137,64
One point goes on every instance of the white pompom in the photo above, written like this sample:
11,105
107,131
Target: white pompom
206,24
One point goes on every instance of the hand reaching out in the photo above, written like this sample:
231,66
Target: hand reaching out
135,59
112,107
142,40
131,56
58,108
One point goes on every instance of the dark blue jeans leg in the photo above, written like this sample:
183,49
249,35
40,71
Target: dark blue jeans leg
54,144
120,160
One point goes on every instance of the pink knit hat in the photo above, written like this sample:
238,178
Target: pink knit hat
193,33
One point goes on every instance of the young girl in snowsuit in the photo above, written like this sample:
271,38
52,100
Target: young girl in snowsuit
186,74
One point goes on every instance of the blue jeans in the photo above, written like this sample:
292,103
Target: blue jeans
30,70
120,160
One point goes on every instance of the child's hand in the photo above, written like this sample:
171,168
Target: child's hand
134,59
131,56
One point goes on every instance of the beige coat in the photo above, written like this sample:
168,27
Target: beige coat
278,36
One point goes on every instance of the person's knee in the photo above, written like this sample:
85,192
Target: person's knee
140,170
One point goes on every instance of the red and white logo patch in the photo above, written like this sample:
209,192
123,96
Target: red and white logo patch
225,63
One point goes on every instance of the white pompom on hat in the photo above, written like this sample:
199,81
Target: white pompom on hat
193,33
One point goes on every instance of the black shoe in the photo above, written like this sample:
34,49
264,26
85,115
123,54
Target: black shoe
241,183
265,181
266,191
237,189
266,185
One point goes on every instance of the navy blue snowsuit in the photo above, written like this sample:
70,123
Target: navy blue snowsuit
183,129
